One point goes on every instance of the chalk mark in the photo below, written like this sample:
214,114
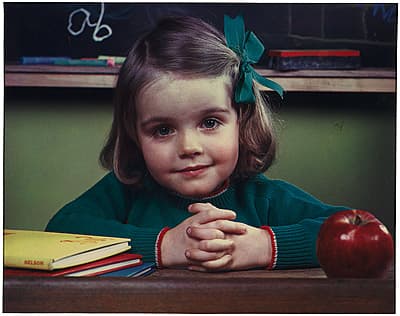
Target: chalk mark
97,25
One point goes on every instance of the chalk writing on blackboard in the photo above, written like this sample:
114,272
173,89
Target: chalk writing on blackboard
387,13
98,26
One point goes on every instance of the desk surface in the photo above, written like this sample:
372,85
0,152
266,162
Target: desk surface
361,80
181,291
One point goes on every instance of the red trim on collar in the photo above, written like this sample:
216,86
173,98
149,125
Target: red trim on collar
218,191
213,194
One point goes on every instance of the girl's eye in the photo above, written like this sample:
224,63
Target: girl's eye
162,131
210,123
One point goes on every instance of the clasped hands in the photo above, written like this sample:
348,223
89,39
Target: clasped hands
210,240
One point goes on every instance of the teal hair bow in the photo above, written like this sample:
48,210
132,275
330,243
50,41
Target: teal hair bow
250,49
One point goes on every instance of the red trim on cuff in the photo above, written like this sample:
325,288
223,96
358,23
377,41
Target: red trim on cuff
274,255
158,246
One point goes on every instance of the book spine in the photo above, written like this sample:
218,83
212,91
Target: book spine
29,263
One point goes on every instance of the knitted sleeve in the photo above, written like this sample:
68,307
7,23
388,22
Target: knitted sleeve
103,210
294,220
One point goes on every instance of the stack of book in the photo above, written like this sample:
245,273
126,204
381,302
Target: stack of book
38,253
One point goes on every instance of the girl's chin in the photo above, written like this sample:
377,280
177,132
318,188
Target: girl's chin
194,195
201,193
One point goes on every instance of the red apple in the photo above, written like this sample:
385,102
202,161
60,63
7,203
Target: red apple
354,244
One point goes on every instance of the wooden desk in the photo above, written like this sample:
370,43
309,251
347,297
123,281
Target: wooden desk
362,80
181,291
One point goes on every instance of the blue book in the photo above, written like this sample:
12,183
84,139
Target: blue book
38,60
80,62
144,269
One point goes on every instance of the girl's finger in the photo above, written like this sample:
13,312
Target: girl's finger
204,233
196,255
216,245
226,226
205,212
199,207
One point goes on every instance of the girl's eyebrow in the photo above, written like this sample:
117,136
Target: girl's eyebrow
214,110
166,119
155,120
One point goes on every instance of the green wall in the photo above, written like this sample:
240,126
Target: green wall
339,147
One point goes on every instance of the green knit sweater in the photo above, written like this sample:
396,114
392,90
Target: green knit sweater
111,208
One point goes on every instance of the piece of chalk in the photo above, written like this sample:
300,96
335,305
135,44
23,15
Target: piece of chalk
117,59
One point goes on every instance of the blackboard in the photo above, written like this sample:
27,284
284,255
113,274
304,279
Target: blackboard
79,29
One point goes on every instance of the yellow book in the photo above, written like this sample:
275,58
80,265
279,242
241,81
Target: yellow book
49,251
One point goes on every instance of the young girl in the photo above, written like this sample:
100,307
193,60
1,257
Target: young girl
190,141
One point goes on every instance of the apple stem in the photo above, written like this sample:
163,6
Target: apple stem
357,220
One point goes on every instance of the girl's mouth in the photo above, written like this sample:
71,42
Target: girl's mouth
193,171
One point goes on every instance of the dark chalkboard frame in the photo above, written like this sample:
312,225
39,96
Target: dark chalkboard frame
51,29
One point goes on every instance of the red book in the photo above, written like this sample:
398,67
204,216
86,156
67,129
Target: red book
114,263
298,59
314,52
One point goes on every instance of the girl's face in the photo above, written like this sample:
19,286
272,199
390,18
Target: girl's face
188,132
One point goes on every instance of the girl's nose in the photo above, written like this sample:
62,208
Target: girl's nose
189,144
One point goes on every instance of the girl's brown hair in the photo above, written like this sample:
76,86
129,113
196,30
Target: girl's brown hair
185,46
